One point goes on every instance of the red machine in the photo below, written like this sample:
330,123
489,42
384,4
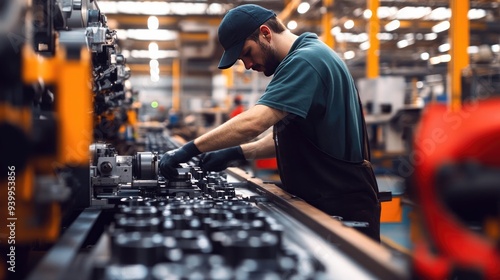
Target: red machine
457,183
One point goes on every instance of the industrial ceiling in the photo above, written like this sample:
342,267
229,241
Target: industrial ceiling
188,30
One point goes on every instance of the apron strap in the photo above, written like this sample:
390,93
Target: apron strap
366,145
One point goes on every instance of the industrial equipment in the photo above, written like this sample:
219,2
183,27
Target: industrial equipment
455,182
199,225
109,214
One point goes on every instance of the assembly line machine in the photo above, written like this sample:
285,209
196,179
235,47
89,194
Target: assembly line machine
216,225
82,199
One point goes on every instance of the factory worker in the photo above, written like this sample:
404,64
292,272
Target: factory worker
312,104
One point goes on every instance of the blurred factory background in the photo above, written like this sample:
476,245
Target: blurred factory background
92,93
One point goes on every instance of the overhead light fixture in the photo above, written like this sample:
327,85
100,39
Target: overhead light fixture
158,8
160,54
364,46
349,54
154,71
367,14
393,25
476,14
403,44
153,23
440,27
153,50
440,59
153,63
385,36
155,78
445,58
473,49
336,30
424,56
440,13
435,60
292,25
495,48
349,24
303,8
430,36
412,13
386,12
147,35
444,47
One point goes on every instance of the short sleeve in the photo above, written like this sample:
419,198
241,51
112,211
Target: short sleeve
293,87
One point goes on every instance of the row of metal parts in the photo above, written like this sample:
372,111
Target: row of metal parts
201,238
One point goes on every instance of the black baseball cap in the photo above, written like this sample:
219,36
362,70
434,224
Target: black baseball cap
236,26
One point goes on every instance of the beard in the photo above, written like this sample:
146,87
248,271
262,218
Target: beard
271,60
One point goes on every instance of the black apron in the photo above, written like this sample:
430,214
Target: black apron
336,187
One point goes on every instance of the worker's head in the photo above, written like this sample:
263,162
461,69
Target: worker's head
243,24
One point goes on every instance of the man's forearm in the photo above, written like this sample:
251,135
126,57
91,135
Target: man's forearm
263,148
240,129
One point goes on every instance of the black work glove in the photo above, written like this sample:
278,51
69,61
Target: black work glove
169,162
219,160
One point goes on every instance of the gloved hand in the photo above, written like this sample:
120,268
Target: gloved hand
219,160
169,162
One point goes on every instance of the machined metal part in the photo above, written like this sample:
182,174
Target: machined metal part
146,164
369,256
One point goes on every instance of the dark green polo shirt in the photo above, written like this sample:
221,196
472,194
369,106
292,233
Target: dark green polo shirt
314,85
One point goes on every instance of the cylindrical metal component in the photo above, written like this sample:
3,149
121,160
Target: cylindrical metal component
144,248
145,166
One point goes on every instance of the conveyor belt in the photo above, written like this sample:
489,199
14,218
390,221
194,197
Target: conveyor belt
311,245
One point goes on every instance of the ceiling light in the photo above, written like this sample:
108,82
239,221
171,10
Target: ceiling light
160,54
473,49
157,8
386,12
495,48
357,12
430,36
153,50
349,24
155,78
403,44
153,23
440,13
424,56
349,55
440,27
303,8
364,46
445,58
413,12
476,13
146,34
215,9
153,63
292,25
153,47
434,60
444,47
154,71
367,14
393,25
336,30
440,59
385,36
